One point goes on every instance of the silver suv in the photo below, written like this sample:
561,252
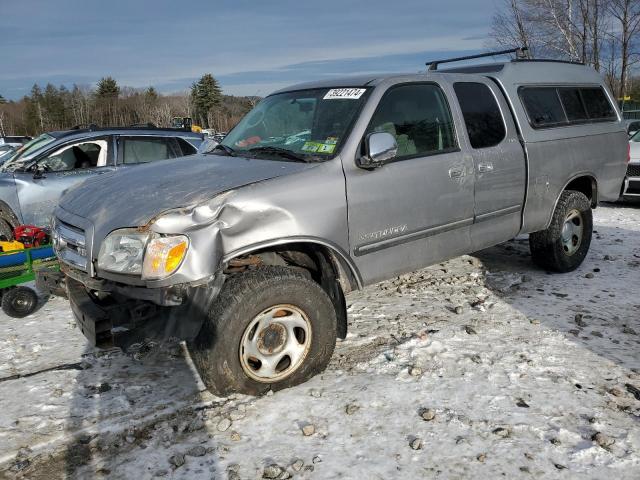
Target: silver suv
247,252
33,179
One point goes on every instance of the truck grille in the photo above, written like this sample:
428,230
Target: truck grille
70,245
633,171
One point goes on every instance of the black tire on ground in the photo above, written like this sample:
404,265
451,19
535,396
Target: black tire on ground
216,350
19,302
547,247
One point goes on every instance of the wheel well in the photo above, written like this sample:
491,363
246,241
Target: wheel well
320,263
587,185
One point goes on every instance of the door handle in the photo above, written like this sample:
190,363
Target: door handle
485,167
456,172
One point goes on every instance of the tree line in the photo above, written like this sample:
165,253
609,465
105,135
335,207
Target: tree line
602,33
108,104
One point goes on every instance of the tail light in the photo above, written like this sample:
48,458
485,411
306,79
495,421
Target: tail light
628,152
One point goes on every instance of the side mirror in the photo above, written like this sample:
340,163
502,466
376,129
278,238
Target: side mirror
380,148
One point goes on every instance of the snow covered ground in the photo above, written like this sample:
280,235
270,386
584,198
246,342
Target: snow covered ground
480,367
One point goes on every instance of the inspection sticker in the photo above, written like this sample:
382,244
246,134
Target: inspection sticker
344,94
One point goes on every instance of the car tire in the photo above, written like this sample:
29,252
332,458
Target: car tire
564,245
19,302
268,329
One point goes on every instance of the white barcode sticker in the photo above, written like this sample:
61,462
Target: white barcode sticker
344,93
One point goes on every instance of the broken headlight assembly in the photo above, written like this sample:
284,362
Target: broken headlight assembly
150,255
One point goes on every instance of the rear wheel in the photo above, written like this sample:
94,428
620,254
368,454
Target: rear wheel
19,302
269,329
563,246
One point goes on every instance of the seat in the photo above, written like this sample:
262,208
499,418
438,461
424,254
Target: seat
406,146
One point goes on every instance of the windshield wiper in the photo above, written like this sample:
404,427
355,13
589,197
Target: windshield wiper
228,150
282,152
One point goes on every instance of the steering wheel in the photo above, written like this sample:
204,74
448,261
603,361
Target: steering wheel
258,120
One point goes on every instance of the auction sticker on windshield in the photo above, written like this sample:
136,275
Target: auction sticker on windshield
344,94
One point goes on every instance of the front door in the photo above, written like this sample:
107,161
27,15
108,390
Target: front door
417,209
40,189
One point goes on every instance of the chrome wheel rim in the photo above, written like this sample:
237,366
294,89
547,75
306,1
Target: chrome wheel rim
275,343
572,232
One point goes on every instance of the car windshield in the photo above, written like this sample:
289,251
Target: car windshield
23,154
305,125
635,137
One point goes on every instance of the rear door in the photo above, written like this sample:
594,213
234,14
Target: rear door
134,150
498,161
58,170
418,208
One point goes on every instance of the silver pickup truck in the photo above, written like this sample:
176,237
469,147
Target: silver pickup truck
247,252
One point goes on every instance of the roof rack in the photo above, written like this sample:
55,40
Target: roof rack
520,54
144,125
82,126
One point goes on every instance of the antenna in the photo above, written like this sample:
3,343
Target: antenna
520,54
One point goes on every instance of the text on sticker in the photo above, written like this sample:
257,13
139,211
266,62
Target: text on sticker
344,93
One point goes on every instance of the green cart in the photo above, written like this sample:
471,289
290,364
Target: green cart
18,267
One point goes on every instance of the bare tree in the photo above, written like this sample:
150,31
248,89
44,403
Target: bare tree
627,15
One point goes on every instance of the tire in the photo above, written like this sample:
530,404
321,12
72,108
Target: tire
19,302
221,350
553,251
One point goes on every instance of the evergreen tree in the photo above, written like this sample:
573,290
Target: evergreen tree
151,95
2,100
107,88
206,94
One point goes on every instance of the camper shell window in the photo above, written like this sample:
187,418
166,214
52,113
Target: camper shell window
561,106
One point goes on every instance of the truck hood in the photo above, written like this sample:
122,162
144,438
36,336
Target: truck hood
132,196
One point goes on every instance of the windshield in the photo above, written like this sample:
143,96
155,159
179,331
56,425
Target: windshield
635,137
24,153
309,125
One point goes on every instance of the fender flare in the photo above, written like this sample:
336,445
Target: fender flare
346,266
594,200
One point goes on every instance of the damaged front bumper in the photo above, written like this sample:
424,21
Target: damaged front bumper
116,315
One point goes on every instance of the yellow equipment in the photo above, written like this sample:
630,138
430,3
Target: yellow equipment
185,123
11,246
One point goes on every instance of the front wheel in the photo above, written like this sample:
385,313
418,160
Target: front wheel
564,245
269,329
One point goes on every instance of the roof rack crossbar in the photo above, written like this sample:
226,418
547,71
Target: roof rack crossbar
520,53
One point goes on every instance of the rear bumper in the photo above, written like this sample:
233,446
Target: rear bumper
632,187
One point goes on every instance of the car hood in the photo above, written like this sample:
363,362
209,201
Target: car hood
132,196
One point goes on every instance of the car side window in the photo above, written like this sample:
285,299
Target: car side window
185,147
481,113
148,149
418,116
77,156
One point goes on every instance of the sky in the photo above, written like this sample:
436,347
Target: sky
251,47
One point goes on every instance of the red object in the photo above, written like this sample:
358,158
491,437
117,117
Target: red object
31,236
249,141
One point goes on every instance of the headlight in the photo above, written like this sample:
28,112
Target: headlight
122,251
147,254
164,256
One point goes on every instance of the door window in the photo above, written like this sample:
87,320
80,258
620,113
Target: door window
481,113
418,116
77,156
148,149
